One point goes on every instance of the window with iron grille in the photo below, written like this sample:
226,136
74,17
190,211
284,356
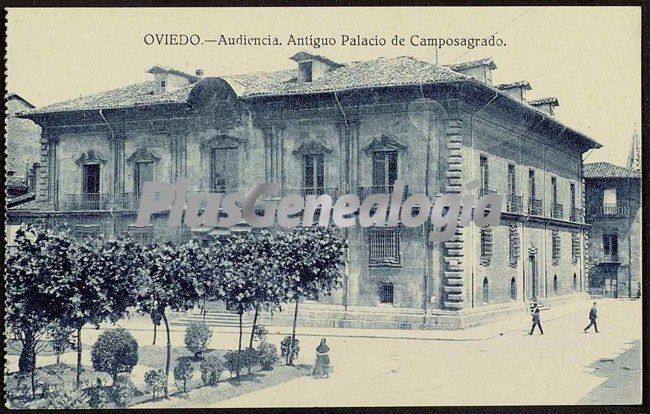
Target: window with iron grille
555,244
486,245
383,246
386,293
575,247
142,235
514,246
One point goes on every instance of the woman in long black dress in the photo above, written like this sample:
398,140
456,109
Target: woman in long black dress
322,366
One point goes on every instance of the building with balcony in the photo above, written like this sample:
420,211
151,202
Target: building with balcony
613,200
336,128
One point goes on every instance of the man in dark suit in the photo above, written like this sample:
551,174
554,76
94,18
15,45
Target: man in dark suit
536,321
593,314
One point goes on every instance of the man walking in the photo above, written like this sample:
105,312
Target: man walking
593,314
536,321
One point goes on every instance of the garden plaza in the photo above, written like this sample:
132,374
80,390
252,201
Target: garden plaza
376,210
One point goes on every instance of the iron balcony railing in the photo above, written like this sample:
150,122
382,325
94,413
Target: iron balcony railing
576,214
515,203
535,207
86,201
557,211
364,192
317,191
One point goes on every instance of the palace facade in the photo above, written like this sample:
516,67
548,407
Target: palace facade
337,128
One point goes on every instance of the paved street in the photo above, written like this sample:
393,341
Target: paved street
495,364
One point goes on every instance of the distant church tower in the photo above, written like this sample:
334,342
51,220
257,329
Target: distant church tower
634,157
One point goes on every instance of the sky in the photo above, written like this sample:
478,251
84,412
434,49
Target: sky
587,57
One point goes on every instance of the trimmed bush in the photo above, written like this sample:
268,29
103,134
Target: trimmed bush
123,390
259,333
155,381
284,348
250,358
115,351
99,395
197,336
183,372
235,361
65,397
268,355
211,369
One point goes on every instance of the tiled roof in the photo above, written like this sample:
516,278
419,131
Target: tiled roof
302,55
132,95
550,100
403,70
519,84
474,63
607,170
160,68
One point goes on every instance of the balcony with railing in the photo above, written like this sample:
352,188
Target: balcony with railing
576,215
557,211
86,201
514,204
535,207
364,192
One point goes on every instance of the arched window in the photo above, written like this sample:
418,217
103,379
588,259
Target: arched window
386,293
513,289
575,283
555,287
486,291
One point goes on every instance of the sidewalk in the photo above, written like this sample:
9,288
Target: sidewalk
477,333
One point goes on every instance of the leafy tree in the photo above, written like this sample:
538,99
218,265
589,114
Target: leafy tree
37,290
313,261
197,336
169,281
183,373
103,282
61,340
115,351
155,380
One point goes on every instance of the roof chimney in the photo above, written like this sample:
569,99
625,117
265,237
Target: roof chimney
546,105
515,89
480,69
199,73
312,67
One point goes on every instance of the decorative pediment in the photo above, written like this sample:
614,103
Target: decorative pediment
223,141
89,157
311,147
384,143
143,155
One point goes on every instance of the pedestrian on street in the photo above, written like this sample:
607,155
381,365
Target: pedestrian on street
322,365
536,321
593,314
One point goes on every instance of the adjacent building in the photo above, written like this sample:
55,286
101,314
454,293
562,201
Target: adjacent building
613,199
329,127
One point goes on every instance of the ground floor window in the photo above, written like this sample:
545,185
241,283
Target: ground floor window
555,284
513,289
383,246
575,283
386,293
486,291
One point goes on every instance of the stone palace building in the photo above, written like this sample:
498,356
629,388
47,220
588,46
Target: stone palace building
336,128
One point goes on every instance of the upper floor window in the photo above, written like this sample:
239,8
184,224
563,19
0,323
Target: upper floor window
91,174
142,172
553,190
486,245
511,180
162,85
384,169
223,169
572,189
610,247
314,173
484,173
609,201
531,184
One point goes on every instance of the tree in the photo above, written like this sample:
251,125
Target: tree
115,351
61,340
313,261
103,282
169,281
37,290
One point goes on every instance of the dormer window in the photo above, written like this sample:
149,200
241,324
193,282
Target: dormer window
305,71
162,85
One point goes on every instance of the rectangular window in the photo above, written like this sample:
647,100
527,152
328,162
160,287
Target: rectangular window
514,245
553,191
610,247
91,179
573,197
223,170
384,169
531,184
575,247
142,172
484,173
609,201
383,246
486,245
511,180
314,173
555,246
386,293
